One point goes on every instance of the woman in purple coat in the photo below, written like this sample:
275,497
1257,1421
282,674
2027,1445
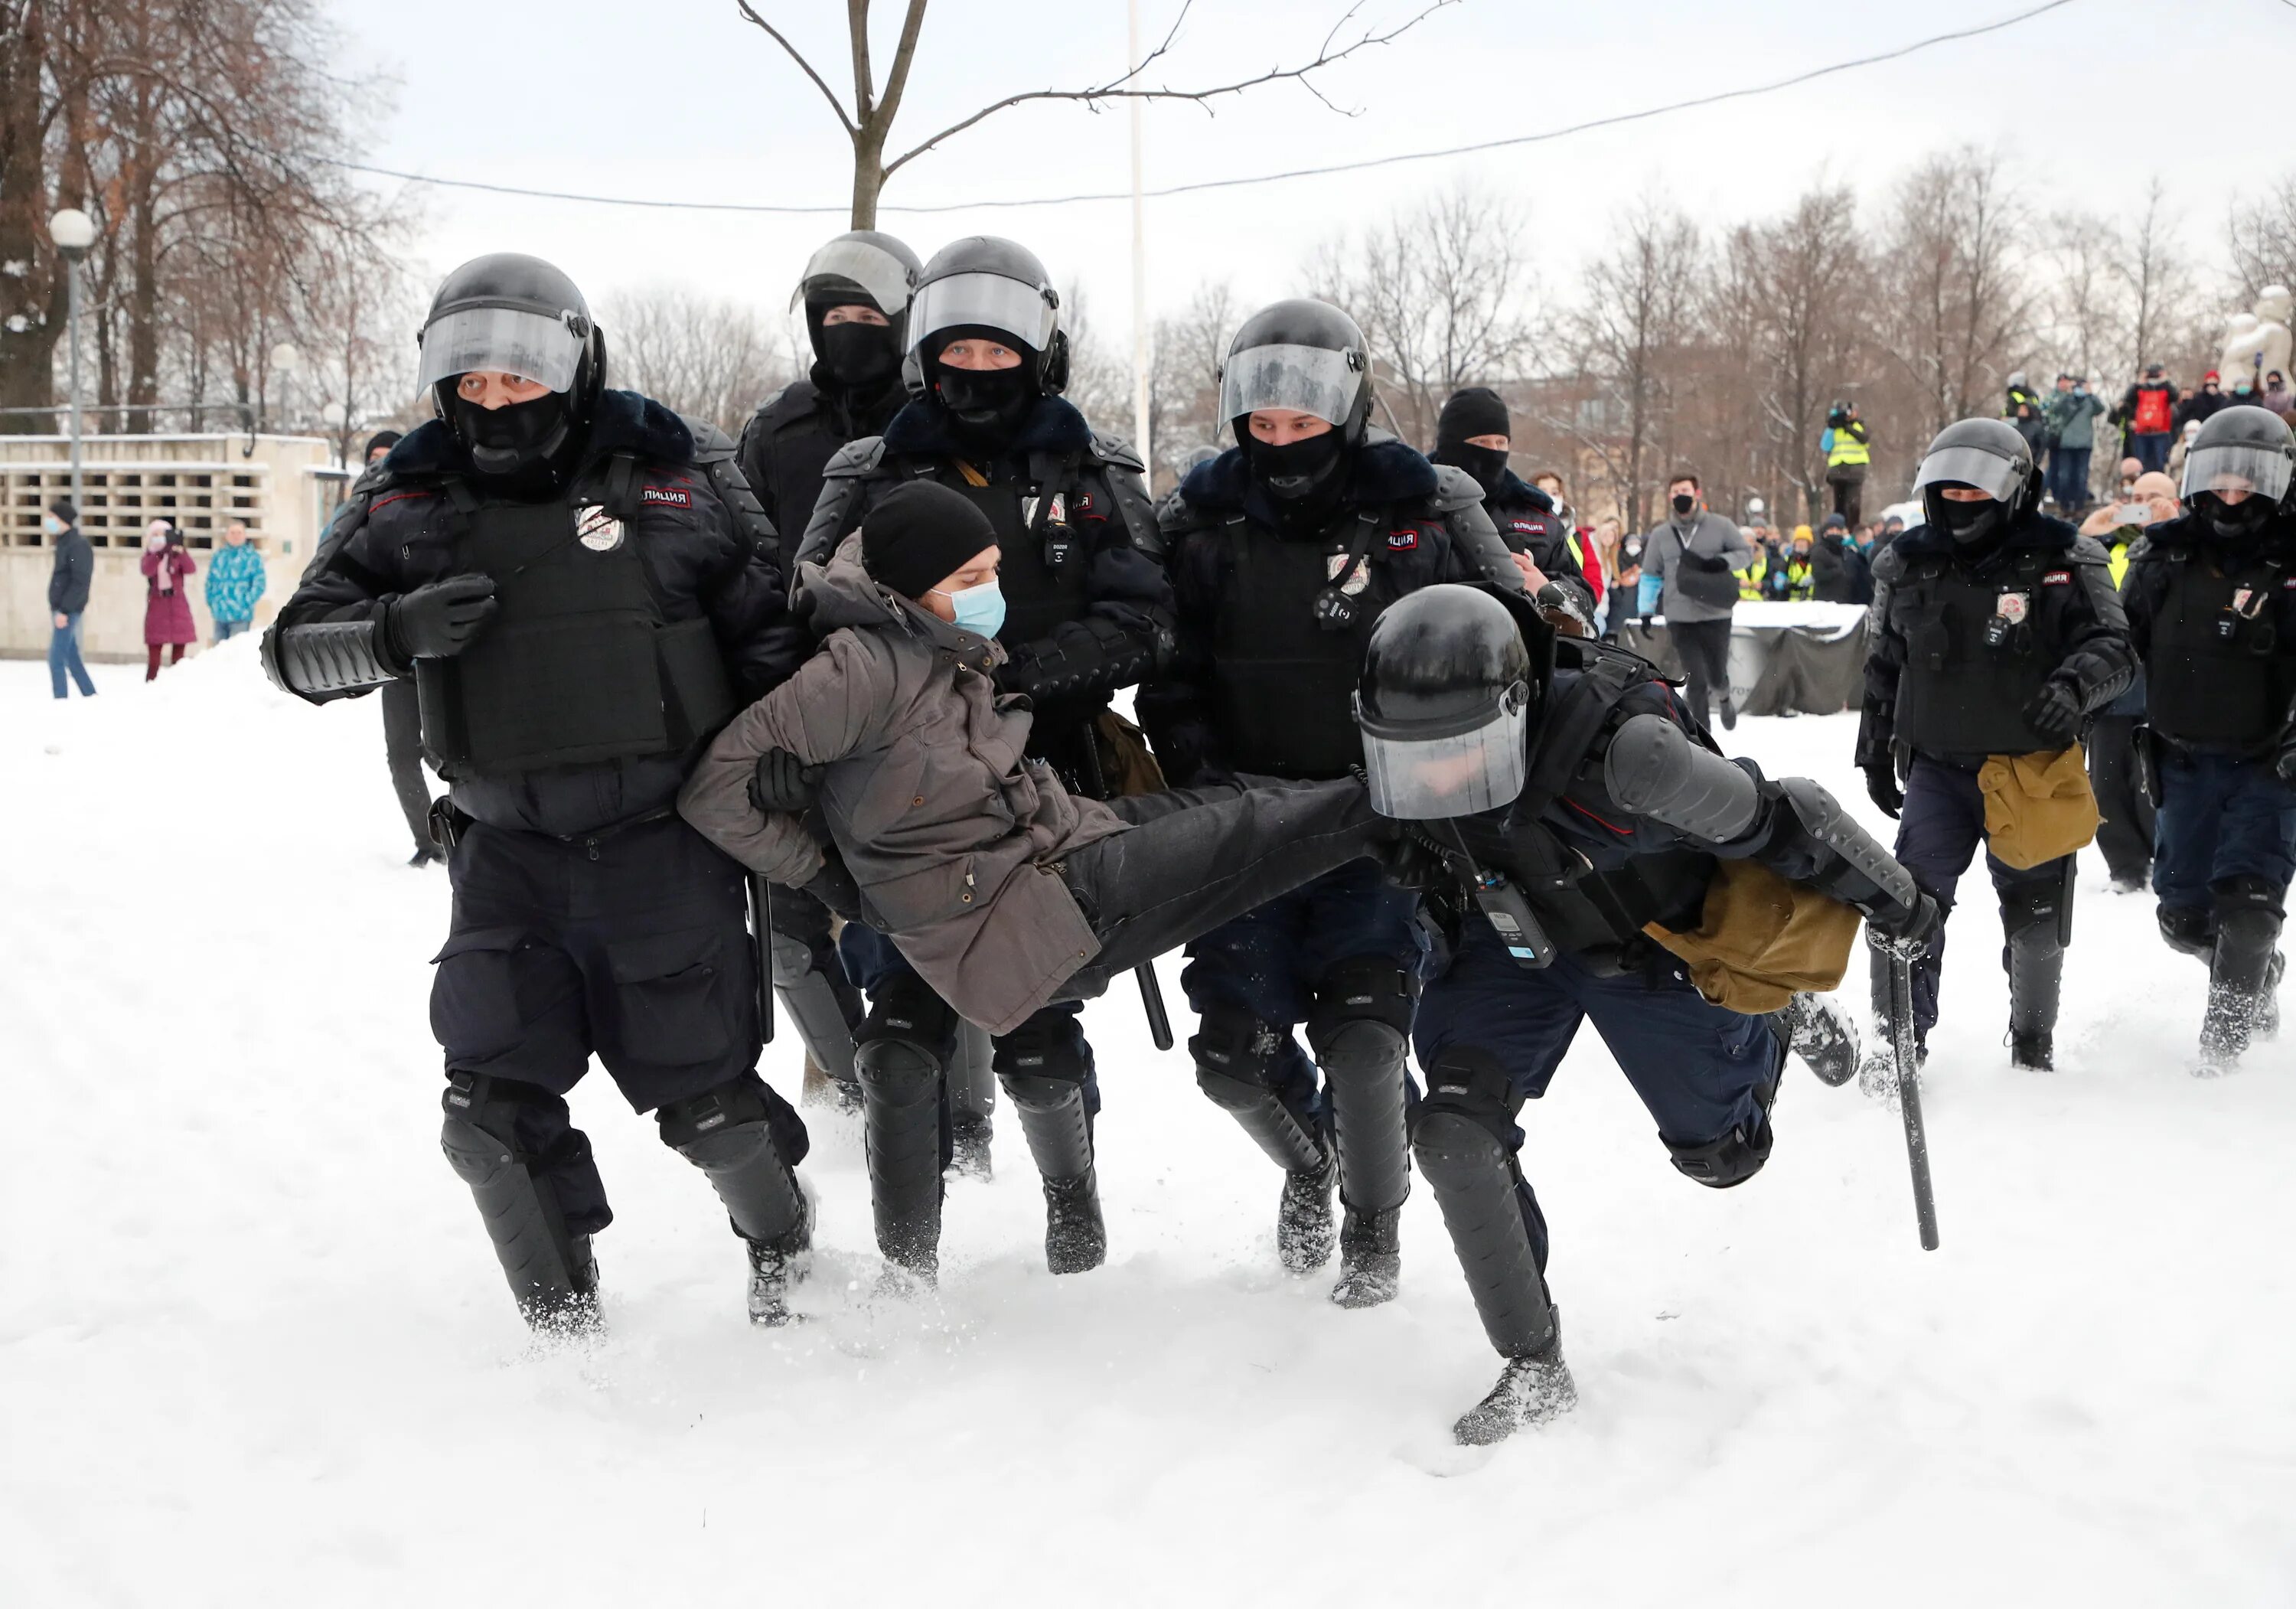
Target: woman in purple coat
166,606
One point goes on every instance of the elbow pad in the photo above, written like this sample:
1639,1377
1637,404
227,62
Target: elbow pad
1652,769
1852,859
325,660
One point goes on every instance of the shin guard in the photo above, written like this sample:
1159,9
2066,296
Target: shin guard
1475,1184
1236,1056
551,1272
1362,1010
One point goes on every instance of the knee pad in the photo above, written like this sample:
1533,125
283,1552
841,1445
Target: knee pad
1043,1059
1363,988
2188,930
730,1104
894,1073
490,1109
2250,896
1452,1149
1472,1085
1235,1055
2029,906
1719,1164
907,1009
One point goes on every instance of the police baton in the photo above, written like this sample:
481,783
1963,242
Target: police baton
761,950
1909,1084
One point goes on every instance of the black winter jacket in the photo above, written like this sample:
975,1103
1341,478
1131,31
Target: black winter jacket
790,439
2154,563
395,533
1528,523
73,575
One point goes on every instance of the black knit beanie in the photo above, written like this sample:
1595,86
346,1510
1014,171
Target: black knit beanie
921,533
383,439
66,510
1476,411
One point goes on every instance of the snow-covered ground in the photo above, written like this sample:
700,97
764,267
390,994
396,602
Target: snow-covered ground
254,1349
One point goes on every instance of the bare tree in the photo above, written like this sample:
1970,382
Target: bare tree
1638,312
1959,299
868,121
2262,234
1100,381
710,357
1440,289
1183,383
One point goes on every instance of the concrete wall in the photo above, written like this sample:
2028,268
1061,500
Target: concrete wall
282,488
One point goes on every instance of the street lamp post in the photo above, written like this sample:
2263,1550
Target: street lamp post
284,361
73,232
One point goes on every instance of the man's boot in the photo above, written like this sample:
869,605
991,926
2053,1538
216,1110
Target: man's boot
727,1133
1822,1031
2243,973
1238,1058
972,1097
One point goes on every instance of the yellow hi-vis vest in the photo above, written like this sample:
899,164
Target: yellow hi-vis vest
1846,449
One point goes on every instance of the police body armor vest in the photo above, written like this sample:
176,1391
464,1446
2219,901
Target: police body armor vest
2218,675
1973,660
1582,908
1284,677
580,665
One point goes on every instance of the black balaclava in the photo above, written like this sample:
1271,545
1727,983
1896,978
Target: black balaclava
2239,521
1971,524
986,408
522,442
855,358
1476,411
1302,478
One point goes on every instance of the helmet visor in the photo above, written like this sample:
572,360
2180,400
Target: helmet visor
1459,774
1305,380
540,346
2237,467
1019,310
1989,473
882,278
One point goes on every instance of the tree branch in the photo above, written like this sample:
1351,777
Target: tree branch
1116,88
795,55
905,53
865,76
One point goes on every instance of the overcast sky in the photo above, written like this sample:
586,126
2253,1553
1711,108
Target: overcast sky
684,99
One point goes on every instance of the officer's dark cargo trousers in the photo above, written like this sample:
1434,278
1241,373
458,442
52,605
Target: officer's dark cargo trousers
630,944
402,750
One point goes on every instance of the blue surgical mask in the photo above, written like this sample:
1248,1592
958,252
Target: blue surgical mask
51,525
979,609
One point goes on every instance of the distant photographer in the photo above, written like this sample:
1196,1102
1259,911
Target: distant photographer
1848,451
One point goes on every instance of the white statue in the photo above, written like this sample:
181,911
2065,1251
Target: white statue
2258,343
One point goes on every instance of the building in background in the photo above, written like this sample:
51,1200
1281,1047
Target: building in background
283,487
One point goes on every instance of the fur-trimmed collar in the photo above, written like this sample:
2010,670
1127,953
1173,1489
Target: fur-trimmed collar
625,423
1382,471
2035,532
1052,426
1513,489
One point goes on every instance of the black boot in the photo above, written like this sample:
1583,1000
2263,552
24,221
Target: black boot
2034,958
1371,1258
2243,974
774,1265
972,1097
729,1133
1048,1098
1304,1227
1076,1240
1822,1033
1532,1390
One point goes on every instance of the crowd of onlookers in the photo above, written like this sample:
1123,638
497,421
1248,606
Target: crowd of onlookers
2156,420
235,580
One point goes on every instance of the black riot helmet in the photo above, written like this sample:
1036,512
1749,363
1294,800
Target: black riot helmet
2241,449
985,283
866,268
1302,355
519,315
1991,455
1450,684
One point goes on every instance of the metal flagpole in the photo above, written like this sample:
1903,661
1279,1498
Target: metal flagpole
1140,353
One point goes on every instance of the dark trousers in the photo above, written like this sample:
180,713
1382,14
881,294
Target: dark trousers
1704,646
2150,450
2125,836
1938,830
633,946
1848,483
1695,1065
2221,818
402,750
2068,476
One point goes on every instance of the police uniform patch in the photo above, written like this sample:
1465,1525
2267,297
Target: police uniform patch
598,530
2058,577
2012,606
666,496
1403,541
1359,579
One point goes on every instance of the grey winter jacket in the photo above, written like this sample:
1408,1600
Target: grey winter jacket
1711,535
950,834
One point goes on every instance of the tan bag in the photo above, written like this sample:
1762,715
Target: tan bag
1125,765
2038,807
1762,939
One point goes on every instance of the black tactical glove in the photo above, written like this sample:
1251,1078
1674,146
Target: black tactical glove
783,784
1906,924
835,887
1882,787
2284,765
439,621
2055,713
1415,863
1714,563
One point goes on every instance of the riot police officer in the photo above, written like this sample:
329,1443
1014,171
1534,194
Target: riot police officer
856,293
1996,632
1566,798
579,612
1474,433
1283,551
2212,600
1087,610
